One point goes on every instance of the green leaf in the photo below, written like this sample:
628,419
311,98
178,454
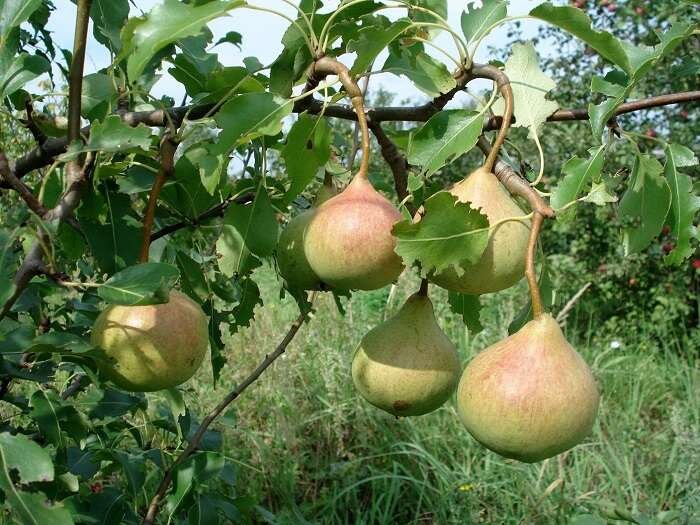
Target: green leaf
98,94
468,307
166,23
428,75
111,136
13,13
193,280
645,204
577,22
476,22
23,69
108,18
147,283
685,203
371,40
250,115
233,256
52,415
449,233
599,194
7,266
447,135
114,404
307,149
530,86
210,164
255,222
32,464
249,298
577,173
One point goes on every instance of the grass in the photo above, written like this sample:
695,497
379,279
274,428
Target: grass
310,450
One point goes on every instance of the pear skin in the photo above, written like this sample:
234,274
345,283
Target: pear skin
503,262
348,241
407,366
530,396
152,347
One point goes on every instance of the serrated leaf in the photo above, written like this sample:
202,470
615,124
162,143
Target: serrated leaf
371,40
142,284
530,85
249,299
233,256
166,23
476,22
577,173
685,203
32,463
428,75
645,203
599,195
447,135
108,17
51,415
307,149
193,280
111,136
250,115
468,307
449,233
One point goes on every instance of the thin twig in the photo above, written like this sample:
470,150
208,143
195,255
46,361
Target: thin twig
168,145
197,438
564,313
20,187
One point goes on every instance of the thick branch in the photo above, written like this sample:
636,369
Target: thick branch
20,187
197,438
53,147
395,159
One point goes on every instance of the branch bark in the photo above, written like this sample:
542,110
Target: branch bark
197,438
44,155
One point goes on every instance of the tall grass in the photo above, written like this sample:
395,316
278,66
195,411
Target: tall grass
310,450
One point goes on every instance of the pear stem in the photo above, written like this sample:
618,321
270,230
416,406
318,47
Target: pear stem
530,272
423,290
503,84
325,66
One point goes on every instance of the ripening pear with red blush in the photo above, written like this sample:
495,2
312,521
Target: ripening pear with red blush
530,396
348,241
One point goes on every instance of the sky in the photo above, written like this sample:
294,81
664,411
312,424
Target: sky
261,38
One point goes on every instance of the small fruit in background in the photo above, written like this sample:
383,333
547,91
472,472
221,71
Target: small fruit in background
632,281
668,247
696,264
503,262
530,396
407,366
152,347
651,133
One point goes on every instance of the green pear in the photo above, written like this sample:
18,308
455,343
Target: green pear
152,347
503,262
529,396
407,366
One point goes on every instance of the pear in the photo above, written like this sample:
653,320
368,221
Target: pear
529,396
407,366
503,262
291,259
348,241
152,347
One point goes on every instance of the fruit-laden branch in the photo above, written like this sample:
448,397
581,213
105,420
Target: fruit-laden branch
197,438
168,145
75,173
44,154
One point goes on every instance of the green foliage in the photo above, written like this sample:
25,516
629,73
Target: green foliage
74,449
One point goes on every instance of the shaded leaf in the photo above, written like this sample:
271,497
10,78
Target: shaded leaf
476,22
577,174
685,202
307,149
428,75
469,308
371,40
111,136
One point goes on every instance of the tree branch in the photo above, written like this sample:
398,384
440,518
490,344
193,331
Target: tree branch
197,438
75,174
168,146
214,211
20,187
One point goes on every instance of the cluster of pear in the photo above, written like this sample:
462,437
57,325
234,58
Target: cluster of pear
528,397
